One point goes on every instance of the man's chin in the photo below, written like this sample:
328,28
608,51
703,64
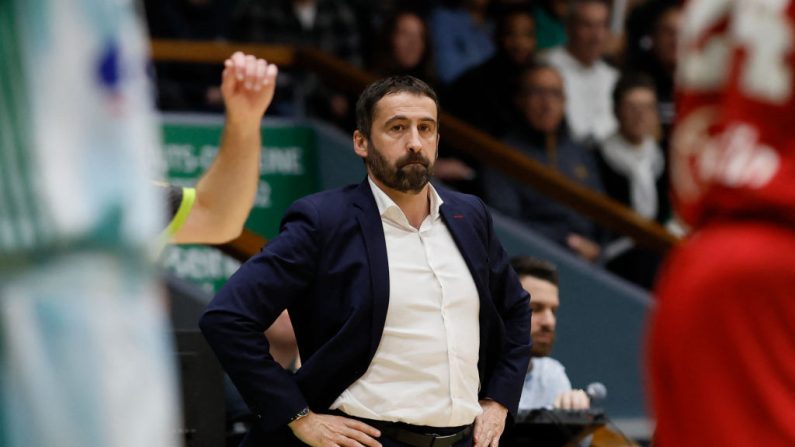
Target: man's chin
415,169
541,350
415,185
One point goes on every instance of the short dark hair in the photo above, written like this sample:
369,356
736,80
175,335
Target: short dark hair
537,268
505,12
662,8
531,68
630,81
574,4
365,105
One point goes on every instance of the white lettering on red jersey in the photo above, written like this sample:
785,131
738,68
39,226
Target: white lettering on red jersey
733,149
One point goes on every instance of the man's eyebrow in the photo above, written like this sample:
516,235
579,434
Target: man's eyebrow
404,117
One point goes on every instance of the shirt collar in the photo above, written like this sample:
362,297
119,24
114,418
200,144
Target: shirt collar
572,62
387,206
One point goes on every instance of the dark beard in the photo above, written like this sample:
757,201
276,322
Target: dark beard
410,173
540,349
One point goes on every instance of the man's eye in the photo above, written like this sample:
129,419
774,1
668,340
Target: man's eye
398,127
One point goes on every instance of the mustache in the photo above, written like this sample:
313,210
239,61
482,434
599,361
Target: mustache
413,157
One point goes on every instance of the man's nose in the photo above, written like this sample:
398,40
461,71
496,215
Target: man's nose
548,319
414,142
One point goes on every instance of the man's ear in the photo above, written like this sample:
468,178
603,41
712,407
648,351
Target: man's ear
359,144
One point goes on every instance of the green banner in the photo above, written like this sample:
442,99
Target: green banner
288,171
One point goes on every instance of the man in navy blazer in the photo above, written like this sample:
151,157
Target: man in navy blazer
452,293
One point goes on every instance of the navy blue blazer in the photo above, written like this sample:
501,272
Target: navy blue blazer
328,267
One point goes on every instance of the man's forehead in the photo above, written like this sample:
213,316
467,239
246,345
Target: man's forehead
640,93
406,104
516,19
545,76
590,10
540,290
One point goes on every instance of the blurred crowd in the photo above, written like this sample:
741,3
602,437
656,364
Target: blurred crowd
582,86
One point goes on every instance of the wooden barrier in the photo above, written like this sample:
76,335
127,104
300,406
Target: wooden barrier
217,52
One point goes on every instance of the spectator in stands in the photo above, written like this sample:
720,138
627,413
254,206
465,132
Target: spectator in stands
461,35
404,48
589,80
631,160
328,25
546,383
545,137
632,167
549,16
373,15
655,28
479,96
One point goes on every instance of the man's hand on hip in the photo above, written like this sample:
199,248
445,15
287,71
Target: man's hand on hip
490,424
325,430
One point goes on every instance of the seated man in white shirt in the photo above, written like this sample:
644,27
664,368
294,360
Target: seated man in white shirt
546,384
589,81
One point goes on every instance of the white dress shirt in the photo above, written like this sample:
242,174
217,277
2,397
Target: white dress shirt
589,95
543,383
424,371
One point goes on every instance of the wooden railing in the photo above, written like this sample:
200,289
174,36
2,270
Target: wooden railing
245,246
466,139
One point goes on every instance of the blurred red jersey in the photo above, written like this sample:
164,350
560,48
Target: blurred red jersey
733,150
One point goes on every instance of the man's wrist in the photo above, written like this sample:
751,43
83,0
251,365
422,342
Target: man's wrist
491,402
242,124
298,416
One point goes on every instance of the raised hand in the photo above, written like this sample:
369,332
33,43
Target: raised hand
247,85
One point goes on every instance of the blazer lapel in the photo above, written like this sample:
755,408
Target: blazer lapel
466,239
375,244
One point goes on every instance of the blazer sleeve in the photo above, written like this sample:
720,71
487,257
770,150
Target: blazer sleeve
513,304
235,320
